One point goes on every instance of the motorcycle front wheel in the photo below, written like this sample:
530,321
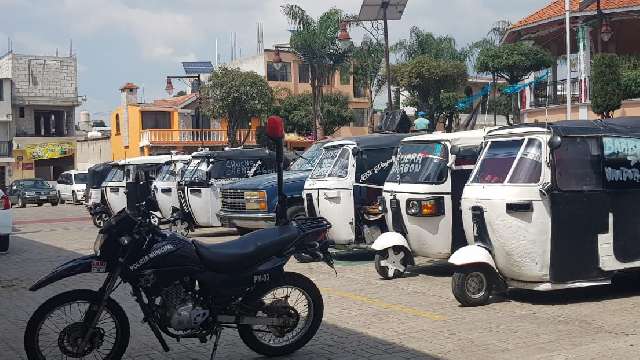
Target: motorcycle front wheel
56,330
298,300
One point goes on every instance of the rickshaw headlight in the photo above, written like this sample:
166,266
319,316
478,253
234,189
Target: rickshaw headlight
413,207
255,200
429,207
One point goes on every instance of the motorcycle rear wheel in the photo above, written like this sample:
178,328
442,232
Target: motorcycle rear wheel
256,337
66,304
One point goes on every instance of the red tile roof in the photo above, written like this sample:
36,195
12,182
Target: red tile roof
128,86
175,102
556,9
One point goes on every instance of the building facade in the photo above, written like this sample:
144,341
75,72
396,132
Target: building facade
37,134
292,74
604,26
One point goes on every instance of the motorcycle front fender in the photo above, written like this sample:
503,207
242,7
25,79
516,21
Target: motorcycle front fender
71,268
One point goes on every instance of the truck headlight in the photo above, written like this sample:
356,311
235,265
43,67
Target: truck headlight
429,207
52,192
30,193
255,200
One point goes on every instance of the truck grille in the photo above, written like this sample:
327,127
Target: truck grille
233,200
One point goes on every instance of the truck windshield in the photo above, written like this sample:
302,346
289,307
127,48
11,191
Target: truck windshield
420,163
308,160
334,162
196,171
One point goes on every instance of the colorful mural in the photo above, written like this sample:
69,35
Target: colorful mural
49,150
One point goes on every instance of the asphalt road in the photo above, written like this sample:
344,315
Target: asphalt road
415,317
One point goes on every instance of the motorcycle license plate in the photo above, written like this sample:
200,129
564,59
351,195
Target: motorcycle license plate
98,266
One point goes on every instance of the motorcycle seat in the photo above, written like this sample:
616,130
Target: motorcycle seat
246,251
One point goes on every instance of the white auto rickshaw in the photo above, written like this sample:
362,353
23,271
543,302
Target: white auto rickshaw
551,207
165,187
199,188
115,184
421,199
346,184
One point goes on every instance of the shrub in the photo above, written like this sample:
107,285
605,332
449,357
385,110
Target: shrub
606,80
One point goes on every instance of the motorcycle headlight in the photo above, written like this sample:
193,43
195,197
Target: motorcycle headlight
98,244
255,200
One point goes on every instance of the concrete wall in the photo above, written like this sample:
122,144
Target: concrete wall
557,113
90,152
49,80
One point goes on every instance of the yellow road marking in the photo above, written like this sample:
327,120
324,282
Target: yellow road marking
381,304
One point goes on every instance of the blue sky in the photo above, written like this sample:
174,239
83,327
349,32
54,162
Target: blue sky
118,41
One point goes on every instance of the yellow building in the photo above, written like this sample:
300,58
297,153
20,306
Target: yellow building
141,129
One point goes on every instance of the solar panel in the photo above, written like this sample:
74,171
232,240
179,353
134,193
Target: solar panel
372,10
197,67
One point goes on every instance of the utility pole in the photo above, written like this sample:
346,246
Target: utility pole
385,6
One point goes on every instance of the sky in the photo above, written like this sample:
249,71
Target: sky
142,41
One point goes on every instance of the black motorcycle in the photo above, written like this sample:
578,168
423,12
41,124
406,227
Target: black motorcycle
100,214
185,288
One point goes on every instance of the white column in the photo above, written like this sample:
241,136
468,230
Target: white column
567,24
584,44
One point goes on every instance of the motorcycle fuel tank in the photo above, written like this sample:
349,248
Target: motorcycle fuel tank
171,251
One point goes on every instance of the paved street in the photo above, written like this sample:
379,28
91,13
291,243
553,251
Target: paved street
365,317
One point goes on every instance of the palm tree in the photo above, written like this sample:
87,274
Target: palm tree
315,41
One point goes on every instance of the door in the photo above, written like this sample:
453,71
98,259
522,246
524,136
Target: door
115,186
331,187
204,205
165,188
504,208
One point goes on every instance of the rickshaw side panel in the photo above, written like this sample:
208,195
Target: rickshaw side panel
625,207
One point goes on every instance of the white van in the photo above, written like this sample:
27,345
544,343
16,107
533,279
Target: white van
71,186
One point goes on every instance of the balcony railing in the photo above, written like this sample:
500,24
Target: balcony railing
193,137
549,93
5,149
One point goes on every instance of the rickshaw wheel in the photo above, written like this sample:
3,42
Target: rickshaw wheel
391,263
473,286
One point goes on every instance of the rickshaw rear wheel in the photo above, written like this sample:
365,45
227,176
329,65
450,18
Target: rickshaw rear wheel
473,285
391,263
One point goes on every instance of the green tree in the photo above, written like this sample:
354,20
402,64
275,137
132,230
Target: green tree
316,42
297,111
513,63
426,79
606,85
237,96
367,70
423,43
180,93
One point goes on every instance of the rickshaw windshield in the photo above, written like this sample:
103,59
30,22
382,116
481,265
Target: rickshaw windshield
420,163
116,174
517,161
578,163
334,162
240,168
80,178
196,171
308,160
168,172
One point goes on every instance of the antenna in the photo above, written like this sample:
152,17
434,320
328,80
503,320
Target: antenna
70,47
217,56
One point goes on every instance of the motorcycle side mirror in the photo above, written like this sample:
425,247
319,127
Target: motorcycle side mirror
275,128
555,142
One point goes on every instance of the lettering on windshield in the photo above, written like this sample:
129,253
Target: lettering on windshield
376,169
622,161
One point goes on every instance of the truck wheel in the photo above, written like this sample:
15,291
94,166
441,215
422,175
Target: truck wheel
74,198
473,286
391,263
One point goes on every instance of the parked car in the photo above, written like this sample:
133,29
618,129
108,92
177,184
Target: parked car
238,210
71,186
6,222
32,191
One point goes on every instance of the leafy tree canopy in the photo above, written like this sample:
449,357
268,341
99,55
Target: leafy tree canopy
237,96
513,62
423,43
297,112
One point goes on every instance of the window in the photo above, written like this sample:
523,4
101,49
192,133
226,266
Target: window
360,117
529,166
117,124
578,164
373,166
358,90
497,161
116,174
418,163
345,75
21,112
1,90
309,159
340,168
168,172
621,162
80,178
196,170
325,163
156,120
279,72
304,75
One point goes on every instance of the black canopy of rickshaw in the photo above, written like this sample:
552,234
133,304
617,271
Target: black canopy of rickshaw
378,141
97,174
621,126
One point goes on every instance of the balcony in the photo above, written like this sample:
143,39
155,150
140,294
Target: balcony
193,137
550,93
5,149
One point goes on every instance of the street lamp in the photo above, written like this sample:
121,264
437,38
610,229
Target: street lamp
344,39
374,10
169,87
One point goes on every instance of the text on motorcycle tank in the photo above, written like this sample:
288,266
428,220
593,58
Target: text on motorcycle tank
145,259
